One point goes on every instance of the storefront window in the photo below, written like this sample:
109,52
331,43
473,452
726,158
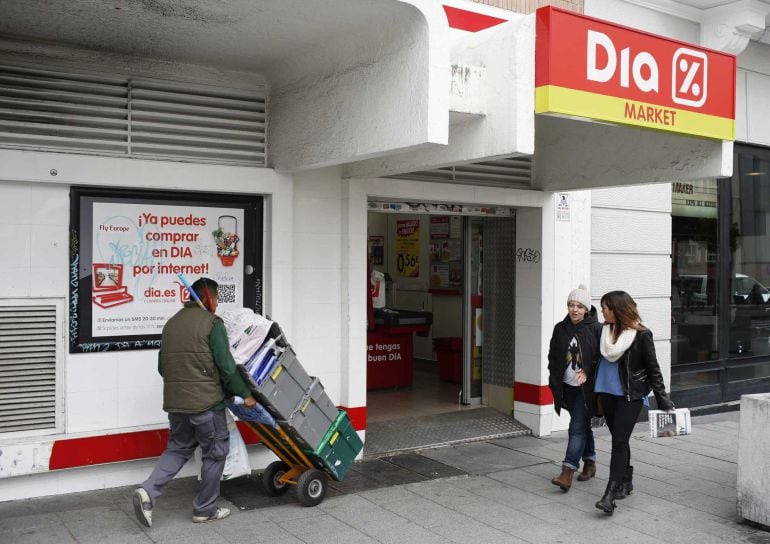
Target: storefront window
749,329
695,283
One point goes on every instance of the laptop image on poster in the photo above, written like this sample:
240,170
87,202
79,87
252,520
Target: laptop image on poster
108,289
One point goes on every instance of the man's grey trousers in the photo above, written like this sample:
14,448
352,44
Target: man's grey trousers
187,431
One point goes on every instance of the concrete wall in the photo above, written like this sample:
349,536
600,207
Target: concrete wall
329,101
106,393
631,251
753,463
753,95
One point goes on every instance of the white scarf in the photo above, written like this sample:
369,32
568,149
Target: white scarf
612,352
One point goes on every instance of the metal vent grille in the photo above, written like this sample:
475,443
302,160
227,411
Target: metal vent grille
134,118
27,368
221,125
513,172
61,111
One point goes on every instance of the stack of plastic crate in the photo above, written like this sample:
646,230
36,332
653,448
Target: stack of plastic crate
300,405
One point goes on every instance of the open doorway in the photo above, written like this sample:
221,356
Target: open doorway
433,373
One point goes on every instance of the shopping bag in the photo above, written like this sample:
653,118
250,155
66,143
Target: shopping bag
246,331
237,461
673,423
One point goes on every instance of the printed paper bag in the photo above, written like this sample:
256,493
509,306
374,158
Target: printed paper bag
674,423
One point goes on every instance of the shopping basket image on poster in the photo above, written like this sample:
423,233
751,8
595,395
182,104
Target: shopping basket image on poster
226,238
107,285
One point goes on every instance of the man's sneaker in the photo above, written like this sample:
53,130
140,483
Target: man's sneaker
221,513
142,506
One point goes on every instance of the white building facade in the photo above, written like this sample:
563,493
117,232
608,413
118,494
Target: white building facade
317,118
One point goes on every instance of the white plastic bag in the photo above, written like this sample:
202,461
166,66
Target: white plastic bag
377,288
237,462
246,330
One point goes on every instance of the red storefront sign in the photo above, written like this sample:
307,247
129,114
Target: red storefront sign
388,359
591,68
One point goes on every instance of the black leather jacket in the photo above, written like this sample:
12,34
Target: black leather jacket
640,372
587,332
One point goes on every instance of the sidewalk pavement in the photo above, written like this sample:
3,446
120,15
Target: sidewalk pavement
483,492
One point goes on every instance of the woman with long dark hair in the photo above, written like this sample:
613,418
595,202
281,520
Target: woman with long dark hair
628,370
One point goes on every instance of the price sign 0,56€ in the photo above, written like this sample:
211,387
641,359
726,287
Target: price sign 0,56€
408,248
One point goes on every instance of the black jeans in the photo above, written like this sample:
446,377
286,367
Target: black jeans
621,416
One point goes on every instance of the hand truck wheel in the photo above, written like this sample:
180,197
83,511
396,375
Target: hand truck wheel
311,487
271,478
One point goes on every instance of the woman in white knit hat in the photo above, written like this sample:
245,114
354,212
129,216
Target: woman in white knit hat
572,357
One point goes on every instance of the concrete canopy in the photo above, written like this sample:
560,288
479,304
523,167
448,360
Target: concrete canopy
574,153
334,68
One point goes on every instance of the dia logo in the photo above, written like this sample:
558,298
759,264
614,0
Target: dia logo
689,72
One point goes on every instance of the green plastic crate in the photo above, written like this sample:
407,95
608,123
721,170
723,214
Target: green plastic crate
339,447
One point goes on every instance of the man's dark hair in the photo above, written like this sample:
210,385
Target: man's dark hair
201,285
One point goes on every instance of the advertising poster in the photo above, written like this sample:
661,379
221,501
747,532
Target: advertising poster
408,247
138,252
130,254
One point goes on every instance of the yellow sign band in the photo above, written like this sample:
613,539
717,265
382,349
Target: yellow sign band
553,99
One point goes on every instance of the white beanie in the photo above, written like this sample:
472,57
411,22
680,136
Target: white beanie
581,295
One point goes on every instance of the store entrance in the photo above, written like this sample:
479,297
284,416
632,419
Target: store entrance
432,376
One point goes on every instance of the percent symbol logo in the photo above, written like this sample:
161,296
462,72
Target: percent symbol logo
689,76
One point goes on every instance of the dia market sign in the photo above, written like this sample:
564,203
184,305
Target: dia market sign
591,68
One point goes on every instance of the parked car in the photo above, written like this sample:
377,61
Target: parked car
700,290
748,290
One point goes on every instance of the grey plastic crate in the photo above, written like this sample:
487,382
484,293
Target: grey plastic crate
285,387
312,418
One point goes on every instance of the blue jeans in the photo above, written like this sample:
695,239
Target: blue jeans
581,437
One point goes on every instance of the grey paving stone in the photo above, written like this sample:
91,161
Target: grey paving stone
409,533
707,451
521,479
521,442
362,514
712,505
497,491
334,530
388,495
425,513
651,505
29,520
463,531
96,525
481,457
290,512
40,535
244,529
660,528
726,528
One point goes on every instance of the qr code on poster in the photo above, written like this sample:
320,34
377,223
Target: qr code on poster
226,292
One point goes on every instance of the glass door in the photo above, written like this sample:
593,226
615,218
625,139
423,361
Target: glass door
473,320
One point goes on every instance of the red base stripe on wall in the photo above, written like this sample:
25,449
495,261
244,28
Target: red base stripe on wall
532,394
471,21
111,448
357,417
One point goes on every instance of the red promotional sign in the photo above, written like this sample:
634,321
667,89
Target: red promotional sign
591,68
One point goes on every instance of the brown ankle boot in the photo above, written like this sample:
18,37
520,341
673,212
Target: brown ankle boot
589,471
564,480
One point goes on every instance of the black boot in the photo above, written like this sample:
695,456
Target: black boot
627,485
607,502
